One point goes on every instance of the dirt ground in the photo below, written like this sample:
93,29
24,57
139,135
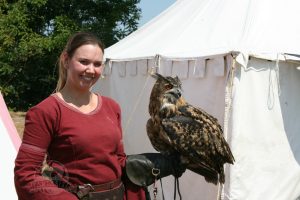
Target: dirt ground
19,120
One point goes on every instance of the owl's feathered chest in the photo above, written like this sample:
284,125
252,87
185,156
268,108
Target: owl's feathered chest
165,106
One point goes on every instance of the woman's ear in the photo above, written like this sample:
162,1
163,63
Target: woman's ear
66,60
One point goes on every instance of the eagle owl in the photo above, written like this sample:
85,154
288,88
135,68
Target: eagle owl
178,128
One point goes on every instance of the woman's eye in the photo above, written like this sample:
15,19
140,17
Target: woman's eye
84,62
98,64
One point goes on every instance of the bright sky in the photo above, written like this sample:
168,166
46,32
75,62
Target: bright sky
152,8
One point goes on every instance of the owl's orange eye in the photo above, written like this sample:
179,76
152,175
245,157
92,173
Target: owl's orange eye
168,87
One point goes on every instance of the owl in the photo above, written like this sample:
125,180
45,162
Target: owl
178,128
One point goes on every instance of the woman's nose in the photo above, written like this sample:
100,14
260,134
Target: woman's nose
91,67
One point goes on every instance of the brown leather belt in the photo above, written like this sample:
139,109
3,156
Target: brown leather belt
107,186
83,190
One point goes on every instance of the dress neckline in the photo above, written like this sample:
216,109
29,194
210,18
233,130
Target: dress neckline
61,101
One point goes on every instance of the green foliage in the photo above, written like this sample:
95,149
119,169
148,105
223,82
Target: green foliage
34,32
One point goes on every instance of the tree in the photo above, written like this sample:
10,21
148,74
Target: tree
34,32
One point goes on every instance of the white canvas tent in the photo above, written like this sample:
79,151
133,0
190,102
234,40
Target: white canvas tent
10,143
238,60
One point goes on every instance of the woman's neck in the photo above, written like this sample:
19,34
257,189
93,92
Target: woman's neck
85,102
76,97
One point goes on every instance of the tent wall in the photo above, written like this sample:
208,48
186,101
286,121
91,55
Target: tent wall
261,120
264,132
130,84
9,142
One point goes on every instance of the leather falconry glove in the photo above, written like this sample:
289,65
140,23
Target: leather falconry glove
144,169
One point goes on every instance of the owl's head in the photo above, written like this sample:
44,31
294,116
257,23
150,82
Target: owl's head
167,87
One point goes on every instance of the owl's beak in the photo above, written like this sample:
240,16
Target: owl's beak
176,92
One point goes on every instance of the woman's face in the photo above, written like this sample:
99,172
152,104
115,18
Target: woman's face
84,67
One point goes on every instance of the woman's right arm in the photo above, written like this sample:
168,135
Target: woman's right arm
29,182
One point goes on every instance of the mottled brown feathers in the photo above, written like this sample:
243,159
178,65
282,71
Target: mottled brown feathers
176,127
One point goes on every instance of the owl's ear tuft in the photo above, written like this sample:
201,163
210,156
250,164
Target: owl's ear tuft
157,75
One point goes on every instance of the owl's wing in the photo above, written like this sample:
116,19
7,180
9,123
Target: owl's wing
199,115
199,138
188,140
211,127
158,138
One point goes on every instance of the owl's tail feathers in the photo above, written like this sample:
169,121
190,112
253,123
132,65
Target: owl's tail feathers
210,175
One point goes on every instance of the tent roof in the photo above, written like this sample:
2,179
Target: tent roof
199,28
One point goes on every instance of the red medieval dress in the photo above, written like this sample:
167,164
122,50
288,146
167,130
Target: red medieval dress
85,148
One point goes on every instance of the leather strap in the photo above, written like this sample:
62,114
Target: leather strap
107,186
83,190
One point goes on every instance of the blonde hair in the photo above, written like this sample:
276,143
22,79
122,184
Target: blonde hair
74,42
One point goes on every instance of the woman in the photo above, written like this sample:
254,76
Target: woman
79,131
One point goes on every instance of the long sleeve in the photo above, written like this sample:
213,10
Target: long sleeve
29,183
120,151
